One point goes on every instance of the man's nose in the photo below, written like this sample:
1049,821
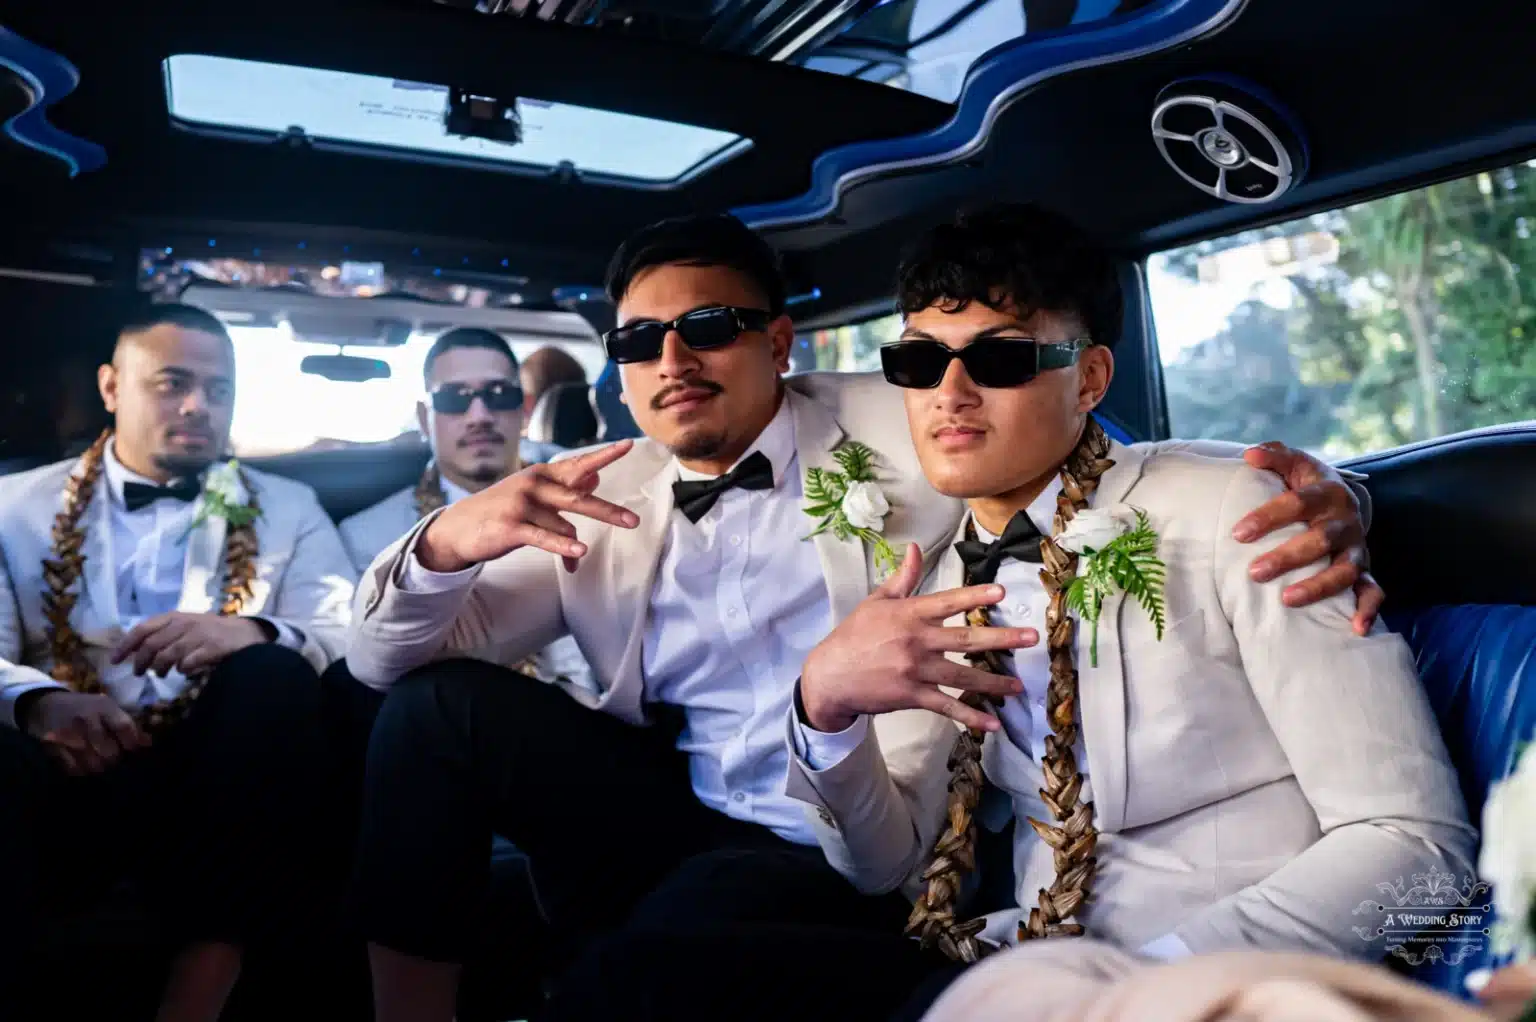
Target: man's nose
956,389
677,359
478,410
194,403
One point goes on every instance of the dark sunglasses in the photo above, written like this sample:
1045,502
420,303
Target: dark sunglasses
989,362
498,397
701,330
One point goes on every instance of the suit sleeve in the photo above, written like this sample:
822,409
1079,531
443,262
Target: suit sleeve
1364,746
15,677
400,623
1228,449
878,811
314,596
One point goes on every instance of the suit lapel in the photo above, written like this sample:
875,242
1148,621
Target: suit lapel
96,611
1102,688
844,563
203,563
636,557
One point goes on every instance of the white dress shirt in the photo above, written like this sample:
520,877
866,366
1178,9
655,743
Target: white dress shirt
149,545
738,603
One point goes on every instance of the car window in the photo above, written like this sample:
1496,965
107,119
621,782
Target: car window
1380,324
854,348
279,409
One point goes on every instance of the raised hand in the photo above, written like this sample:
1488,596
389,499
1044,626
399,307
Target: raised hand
525,509
85,733
889,655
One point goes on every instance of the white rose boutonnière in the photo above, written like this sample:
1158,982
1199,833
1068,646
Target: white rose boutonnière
850,504
1117,548
223,497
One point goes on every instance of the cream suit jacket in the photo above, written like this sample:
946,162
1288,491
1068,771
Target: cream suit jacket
1254,775
303,576
374,528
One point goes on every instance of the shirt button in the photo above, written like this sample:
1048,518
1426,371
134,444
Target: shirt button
730,612
735,541
739,797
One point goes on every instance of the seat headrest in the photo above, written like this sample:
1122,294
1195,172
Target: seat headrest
563,416
1454,519
613,417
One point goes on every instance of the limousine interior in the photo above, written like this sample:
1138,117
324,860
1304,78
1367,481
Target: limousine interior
1325,213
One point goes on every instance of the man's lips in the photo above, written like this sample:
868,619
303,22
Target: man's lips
685,399
191,436
483,440
958,436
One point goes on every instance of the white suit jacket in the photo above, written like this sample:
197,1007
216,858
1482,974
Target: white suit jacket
525,600
369,531
303,576
1255,774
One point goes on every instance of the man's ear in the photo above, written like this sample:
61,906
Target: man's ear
781,334
423,420
106,384
1095,370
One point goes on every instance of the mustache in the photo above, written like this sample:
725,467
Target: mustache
481,434
709,386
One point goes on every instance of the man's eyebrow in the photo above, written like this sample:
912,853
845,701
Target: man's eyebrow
914,334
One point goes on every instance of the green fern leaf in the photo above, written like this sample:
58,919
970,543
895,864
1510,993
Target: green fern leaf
857,461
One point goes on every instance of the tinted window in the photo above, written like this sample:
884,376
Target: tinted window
1392,321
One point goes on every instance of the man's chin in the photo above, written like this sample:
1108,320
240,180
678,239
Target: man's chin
183,464
697,443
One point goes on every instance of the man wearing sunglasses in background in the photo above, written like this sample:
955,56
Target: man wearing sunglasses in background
691,586
473,420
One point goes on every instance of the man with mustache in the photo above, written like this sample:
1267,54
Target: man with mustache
1188,765
473,420
692,585
163,616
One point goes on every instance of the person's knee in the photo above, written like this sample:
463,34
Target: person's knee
264,687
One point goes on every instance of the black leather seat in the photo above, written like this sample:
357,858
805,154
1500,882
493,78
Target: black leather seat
563,416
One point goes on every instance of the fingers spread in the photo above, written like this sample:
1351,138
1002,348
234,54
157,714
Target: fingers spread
554,495
970,679
975,640
569,469
954,709
939,606
545,539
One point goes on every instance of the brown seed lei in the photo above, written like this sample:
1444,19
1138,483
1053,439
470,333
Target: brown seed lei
71,666
1073,839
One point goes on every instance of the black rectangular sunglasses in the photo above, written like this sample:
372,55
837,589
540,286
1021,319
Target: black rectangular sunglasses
989,361
701,329
500,396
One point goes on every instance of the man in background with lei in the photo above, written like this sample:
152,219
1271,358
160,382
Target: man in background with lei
164,614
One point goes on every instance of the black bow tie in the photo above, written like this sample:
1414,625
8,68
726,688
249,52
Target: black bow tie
139,495
1021,541
694,499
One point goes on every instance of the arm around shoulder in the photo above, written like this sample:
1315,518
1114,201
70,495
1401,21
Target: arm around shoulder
1353,721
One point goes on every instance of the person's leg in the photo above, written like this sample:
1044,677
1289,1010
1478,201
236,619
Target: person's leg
744,973
29,783
767,880
463,748
244,851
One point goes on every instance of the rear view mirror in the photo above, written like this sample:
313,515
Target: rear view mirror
345,368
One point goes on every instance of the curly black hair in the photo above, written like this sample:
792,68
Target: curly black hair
1019,255
700,240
